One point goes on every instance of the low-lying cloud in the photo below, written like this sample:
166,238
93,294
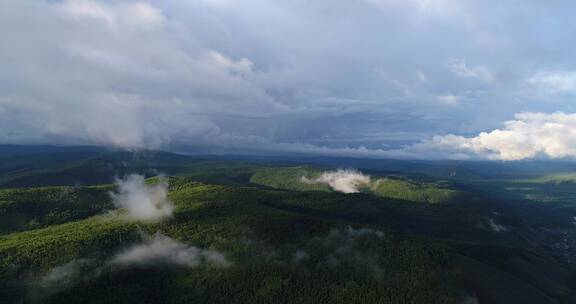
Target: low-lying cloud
160,248
496,227
344,248
142,201
153,251
342,180
61,278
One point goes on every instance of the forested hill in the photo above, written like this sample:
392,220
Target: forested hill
91,225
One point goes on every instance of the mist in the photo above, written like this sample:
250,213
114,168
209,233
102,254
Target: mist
61,278
344,248
345,181
142,201
160,248
152,251
496,227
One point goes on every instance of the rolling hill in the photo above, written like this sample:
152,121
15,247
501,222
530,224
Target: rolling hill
254,232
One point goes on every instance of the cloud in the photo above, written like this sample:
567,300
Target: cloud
495,227
450,100
421,76
160,248
126,77
530,135
346,181
459,67
553,82
142,201
215,76
137,14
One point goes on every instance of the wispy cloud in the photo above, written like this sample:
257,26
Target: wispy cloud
61,278
162,249
450,100
459,67
496,227
154,251
344,248
553,82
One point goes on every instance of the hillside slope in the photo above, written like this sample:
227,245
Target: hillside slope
257,232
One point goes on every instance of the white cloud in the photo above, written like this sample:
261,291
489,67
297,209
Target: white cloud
553,82
346,181
243,66
160,248
142,201
530,135
450,100
459,67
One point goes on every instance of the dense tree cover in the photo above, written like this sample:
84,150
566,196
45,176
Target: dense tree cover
414,191
283,247
285,241
89,166
261,242
395,187
26,254
24,209
289,178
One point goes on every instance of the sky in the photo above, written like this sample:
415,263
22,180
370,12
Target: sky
431,79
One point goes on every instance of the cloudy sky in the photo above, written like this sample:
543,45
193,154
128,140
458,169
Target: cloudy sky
452,79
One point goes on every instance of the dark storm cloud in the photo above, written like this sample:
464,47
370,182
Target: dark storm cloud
315,76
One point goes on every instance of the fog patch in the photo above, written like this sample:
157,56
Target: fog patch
142,201
62,278
342,180
154,250
470,300
162,249
344,250
347,238
495,227
347,251
352,233
300,255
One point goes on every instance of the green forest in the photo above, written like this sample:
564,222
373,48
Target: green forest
246,232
